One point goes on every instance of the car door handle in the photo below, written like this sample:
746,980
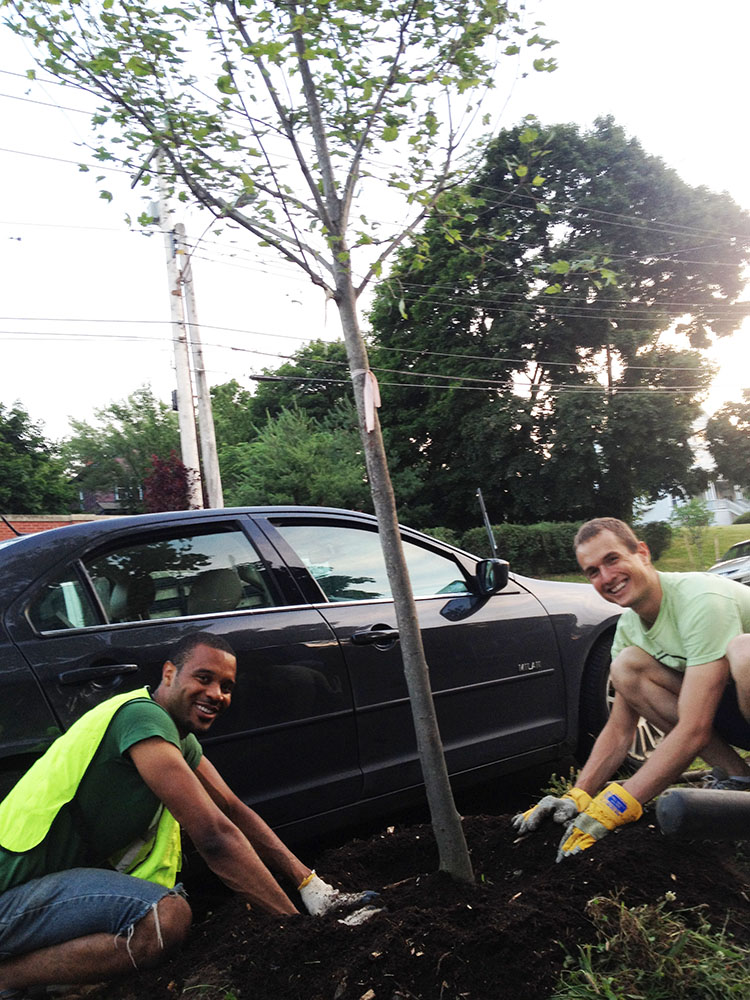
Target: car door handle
374,636
103,673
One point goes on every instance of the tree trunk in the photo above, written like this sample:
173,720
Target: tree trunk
446,822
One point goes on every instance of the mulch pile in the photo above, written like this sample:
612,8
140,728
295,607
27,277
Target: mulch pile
504,937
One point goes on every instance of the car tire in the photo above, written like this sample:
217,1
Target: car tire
597,695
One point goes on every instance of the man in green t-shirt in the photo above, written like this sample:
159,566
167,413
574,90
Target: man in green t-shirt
681,659
103,802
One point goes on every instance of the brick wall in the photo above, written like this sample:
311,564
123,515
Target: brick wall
30,523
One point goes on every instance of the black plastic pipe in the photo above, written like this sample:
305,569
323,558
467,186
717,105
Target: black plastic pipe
704,814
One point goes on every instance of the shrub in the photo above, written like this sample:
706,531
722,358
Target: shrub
742,519
444,535
657,535
531,549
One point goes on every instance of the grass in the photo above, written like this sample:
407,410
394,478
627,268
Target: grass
684,556
654,952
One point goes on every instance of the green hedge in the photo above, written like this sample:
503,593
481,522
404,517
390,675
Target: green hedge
545,548
530,549
742,519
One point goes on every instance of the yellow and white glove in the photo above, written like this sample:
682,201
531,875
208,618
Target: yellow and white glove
318,897
560,810
611,808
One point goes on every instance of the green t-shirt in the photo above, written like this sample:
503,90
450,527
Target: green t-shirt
698,615
112,807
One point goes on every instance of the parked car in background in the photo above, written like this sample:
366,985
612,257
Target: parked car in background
320,731
735,563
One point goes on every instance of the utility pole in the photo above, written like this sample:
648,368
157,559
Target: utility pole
185,409
209,453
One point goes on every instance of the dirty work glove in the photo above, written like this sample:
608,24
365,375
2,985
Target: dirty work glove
354,919
611,808
561,810
319,897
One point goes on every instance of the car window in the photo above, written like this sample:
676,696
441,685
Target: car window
62,604
348,563
180,576
737,551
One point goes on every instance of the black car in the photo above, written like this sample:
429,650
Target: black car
320,729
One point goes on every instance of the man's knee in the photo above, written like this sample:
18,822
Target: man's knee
632,666
738,654
163,929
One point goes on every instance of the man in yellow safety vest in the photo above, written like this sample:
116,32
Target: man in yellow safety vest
89,837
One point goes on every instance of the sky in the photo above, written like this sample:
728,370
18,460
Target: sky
85,307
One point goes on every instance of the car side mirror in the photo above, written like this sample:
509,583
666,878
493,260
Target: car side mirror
491,576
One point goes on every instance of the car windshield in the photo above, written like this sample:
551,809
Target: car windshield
737,551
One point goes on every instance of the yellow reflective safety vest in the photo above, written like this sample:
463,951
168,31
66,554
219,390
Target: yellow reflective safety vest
29,809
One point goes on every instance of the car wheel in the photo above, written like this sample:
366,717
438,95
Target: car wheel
597,695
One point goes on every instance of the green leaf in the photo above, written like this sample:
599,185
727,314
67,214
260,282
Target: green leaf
225,85
390,132
552,289
559,267
538,181
106,195
402,308
138,66
521,170
528,135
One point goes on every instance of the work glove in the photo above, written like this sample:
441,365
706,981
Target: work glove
357,917
561,810
611,808
319,897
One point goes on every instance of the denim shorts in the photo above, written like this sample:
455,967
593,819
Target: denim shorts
72,904
729,722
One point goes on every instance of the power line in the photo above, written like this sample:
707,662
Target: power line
457,355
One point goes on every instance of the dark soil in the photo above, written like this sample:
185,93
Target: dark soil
504,937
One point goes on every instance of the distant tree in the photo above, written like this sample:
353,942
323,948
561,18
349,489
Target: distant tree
529,373
296,459
233,412
167,485
728,438
117,450
315,379
32,476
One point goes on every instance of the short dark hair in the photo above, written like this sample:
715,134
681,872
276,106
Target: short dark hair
182,650
597,525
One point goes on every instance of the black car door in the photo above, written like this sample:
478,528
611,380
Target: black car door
106,620
494,664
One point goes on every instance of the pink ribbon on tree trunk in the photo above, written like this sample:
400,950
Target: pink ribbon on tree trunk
371,397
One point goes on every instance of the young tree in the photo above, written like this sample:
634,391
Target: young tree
32,476
693,518
117,449
302,108
549,384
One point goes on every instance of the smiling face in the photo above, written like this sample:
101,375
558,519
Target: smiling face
623,577
198,693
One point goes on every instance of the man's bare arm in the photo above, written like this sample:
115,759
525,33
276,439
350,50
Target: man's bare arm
269,847
222,844
611,747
